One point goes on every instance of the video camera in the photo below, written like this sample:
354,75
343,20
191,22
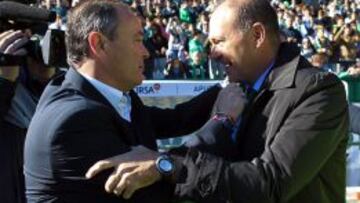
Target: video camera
46,45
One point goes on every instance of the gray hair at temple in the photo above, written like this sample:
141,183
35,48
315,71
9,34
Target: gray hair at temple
91,15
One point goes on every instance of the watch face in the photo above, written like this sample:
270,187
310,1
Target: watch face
166,165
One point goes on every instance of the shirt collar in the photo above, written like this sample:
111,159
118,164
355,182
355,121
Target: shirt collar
260,81
112,94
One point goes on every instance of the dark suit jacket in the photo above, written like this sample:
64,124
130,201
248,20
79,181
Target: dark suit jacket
290,146
74,126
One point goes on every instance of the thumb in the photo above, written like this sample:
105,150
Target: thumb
98,167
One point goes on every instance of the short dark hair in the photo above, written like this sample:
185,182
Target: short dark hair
91,15
257,11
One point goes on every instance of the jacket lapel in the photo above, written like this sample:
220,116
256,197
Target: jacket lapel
74,81
141,126
281,76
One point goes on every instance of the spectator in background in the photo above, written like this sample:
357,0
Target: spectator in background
307,22
203,24
168,11
157,11
176,39
281,16
338,17
211,6
354,71
338,24
352,79
148,29
323,19
198,66
197,9
307,50
159,43
320,60
148,35
75,2
60,7
176,69
321,42
293,35
139,7
347,54
186,14
345,43
196,44
294,17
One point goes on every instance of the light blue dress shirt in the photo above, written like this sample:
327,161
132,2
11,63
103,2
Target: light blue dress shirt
119,100
256,87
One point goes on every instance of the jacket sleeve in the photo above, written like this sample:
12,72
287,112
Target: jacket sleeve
214,138
7,90
185,118
81,137
315,128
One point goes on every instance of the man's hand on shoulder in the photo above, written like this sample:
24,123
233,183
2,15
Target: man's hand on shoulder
133,170
231,101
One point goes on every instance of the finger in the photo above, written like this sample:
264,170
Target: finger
112,181
10,38
98,167
16,45
20,52
129,191
123,183
6,33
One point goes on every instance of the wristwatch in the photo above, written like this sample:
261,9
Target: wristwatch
165,165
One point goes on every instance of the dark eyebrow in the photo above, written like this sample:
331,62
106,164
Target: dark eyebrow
216,40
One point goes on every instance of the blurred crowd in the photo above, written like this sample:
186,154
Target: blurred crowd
176,34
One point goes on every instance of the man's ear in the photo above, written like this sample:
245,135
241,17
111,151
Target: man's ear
258,34
96,44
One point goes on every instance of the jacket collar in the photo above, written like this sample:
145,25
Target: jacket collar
283,74
75,81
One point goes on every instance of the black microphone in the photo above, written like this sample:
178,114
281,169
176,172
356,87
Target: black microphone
21,12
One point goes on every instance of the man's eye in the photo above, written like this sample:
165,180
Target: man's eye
216,42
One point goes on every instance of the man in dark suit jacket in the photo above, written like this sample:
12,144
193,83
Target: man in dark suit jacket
289,143
85,115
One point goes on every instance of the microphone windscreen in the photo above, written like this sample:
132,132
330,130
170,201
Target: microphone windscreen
21,12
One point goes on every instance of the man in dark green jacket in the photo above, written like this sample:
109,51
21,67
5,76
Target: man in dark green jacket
287,146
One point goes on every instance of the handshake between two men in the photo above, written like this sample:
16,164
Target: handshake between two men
142,167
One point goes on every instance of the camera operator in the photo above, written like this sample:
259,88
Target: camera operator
20,89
